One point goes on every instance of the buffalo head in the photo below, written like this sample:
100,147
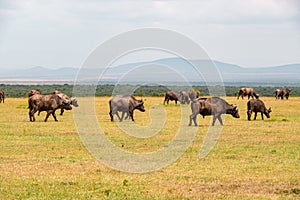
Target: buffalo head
267,112
74,101
140,105
235,111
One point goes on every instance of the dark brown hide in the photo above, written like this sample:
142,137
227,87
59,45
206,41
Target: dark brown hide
46,102
257,105
212,106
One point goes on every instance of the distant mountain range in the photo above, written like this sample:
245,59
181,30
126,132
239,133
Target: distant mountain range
162,71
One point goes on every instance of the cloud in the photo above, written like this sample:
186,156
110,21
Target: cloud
64,31
228,11
206,11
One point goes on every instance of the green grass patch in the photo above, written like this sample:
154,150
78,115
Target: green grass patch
251,160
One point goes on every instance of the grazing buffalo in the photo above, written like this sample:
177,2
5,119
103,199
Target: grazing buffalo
46,102
281,93
184,97
73,100
212,106
2,96
193,94
257,105
250,92
173,96
125,104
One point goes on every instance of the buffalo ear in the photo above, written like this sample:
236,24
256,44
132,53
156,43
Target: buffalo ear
270,110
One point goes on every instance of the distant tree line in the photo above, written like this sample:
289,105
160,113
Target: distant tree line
139,90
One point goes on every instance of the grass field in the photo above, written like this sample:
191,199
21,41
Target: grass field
251,160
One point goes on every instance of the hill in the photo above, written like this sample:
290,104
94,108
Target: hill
162,71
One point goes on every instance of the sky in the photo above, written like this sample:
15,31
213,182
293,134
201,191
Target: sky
63,33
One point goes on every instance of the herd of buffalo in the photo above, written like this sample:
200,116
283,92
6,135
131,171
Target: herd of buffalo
215,106
38,102
126,104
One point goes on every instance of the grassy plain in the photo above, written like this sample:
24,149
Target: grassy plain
252,159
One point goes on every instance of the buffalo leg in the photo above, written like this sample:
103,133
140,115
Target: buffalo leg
262,116
249,112
255,115
166,100
127,115
48,114
194,118
118,116
61,111
31,115
220,120
122,117
131,115
214,120
111,116
54,116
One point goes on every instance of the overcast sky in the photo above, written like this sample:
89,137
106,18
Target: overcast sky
62,33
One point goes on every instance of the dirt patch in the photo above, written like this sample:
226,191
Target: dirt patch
194,190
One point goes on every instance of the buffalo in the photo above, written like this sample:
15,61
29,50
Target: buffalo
73,100
2,96
193,94
257,105
173,96
281,93
125,104
250,92
212,106
184,97
46,102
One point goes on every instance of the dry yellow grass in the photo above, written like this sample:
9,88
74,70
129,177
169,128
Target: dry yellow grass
252,159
